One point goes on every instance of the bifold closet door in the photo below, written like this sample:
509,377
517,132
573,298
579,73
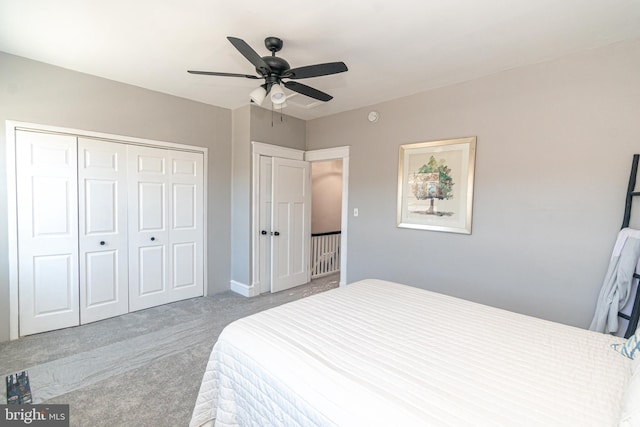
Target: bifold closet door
186,225
102,194
165,226
46,179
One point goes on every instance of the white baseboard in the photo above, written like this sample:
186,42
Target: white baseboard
242,289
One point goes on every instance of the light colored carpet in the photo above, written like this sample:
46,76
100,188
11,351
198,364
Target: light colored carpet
139,369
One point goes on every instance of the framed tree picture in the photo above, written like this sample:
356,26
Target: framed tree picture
435,185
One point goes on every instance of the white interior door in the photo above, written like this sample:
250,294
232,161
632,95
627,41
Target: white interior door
290,224
265,223
46,179
148,226
102,193
186,223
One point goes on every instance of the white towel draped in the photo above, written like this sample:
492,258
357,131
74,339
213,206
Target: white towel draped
616,287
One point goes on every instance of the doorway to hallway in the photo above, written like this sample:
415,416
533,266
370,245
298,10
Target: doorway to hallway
264,234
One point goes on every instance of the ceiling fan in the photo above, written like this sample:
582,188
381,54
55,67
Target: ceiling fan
273,69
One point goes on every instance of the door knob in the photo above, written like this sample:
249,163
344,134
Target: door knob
153,238
263,232
276,233
102,242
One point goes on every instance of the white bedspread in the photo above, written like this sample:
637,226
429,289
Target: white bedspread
380,353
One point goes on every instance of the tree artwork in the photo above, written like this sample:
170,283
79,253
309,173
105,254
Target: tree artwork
428,198
432,181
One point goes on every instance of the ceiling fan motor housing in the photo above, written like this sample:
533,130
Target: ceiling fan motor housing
278,65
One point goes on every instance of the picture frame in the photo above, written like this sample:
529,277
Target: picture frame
435,185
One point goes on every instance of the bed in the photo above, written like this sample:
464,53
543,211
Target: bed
381,353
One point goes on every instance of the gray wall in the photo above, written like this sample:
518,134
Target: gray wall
555,142
252,123
241,196
39,93
274,128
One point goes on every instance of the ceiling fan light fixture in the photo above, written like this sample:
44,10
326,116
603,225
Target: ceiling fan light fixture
258,95
273,69
277,95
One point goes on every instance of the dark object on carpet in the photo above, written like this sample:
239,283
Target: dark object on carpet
18,388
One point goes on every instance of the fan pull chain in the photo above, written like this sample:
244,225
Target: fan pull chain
281,115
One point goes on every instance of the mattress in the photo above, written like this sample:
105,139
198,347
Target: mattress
381,353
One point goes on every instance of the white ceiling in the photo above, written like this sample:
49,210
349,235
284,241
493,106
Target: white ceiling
392,48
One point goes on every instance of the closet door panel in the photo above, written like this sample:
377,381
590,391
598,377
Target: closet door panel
184,207
184,255
101,207
148,227
46,179
52,284
52,203
151,195
102,190
152,270
101,279
186,225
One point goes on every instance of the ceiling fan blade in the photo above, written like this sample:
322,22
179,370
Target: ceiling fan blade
250,54
214,73
308,91
317,70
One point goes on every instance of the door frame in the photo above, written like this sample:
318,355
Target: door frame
261,149
11,126
338,153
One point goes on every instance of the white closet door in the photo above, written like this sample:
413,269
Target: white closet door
47,231
166,223
148,226
186,224
291,224
102,193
